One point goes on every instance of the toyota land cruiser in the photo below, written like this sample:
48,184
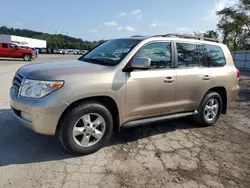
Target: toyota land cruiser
124,83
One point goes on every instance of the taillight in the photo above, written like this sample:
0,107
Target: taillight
238,74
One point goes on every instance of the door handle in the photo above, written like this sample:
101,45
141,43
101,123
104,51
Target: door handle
168,80
206,77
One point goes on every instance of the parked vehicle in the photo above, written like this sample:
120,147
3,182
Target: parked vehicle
76,52
43,50
64,51
15,51
70,52
58,51
124,83
82,52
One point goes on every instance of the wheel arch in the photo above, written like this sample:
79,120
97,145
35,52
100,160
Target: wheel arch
223,93
107,101
24,53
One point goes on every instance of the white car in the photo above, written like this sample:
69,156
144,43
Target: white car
58,51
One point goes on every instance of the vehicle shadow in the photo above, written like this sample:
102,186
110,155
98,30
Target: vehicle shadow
132,134
1,59
19,145
244,96
245,73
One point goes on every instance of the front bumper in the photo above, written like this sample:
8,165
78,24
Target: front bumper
44,113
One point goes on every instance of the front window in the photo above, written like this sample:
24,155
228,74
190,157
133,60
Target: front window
111,52
13,46
159,54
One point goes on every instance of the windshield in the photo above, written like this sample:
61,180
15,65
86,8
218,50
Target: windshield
111,52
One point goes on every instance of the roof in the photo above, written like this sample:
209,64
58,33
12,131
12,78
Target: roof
179,37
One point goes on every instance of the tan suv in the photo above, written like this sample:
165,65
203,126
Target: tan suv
124,83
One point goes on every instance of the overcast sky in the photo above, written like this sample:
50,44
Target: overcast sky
98,19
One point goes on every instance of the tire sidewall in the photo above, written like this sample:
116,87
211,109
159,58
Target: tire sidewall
67,137
204,103
27,57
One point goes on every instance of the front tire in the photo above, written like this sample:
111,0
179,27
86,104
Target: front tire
86,128
27,57
209,110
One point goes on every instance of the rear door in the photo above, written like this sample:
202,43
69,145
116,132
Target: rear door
151,92
192,81
4,50
216,71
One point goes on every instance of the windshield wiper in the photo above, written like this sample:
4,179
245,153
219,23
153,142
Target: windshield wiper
97,61
90,60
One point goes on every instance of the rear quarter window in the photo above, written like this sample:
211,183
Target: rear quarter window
214,56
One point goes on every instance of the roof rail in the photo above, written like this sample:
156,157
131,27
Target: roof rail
137,36
187,37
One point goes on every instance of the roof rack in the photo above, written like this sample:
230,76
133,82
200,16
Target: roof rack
137,36
187,37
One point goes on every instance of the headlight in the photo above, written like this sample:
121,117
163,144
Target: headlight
38,89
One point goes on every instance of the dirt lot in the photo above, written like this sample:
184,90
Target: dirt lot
170,154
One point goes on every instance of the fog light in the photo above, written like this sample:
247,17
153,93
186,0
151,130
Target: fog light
26,116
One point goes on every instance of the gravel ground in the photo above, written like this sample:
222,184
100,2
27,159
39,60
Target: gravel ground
171,154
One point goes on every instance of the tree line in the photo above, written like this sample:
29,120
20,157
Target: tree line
54,41
233,29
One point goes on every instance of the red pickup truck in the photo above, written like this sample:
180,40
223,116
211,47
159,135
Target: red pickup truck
15,51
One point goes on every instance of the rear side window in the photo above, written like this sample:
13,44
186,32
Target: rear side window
4,45
187,55
202,57
214,56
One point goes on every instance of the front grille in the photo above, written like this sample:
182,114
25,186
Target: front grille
16,83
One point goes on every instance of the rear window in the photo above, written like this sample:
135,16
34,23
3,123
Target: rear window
214,56
4,45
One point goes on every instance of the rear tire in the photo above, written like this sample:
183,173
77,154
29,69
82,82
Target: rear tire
78,131
27,57
209,110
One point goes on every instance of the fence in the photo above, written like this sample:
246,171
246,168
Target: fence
241,59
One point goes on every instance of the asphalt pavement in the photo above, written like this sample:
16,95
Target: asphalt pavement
176,154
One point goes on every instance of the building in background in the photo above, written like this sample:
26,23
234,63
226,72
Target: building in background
24,41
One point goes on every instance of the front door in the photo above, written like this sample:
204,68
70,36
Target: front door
151,92
15,51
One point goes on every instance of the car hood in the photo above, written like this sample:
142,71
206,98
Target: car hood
61,69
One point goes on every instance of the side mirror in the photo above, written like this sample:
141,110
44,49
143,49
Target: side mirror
141,63
17,47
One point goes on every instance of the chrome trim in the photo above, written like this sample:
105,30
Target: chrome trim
21,78
21,86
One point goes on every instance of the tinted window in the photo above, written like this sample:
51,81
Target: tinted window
202,58
159,53
12,46
188,55
4,45
214,56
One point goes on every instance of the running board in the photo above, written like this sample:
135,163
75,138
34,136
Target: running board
157,119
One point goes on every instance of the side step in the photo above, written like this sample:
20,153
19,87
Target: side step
157,119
